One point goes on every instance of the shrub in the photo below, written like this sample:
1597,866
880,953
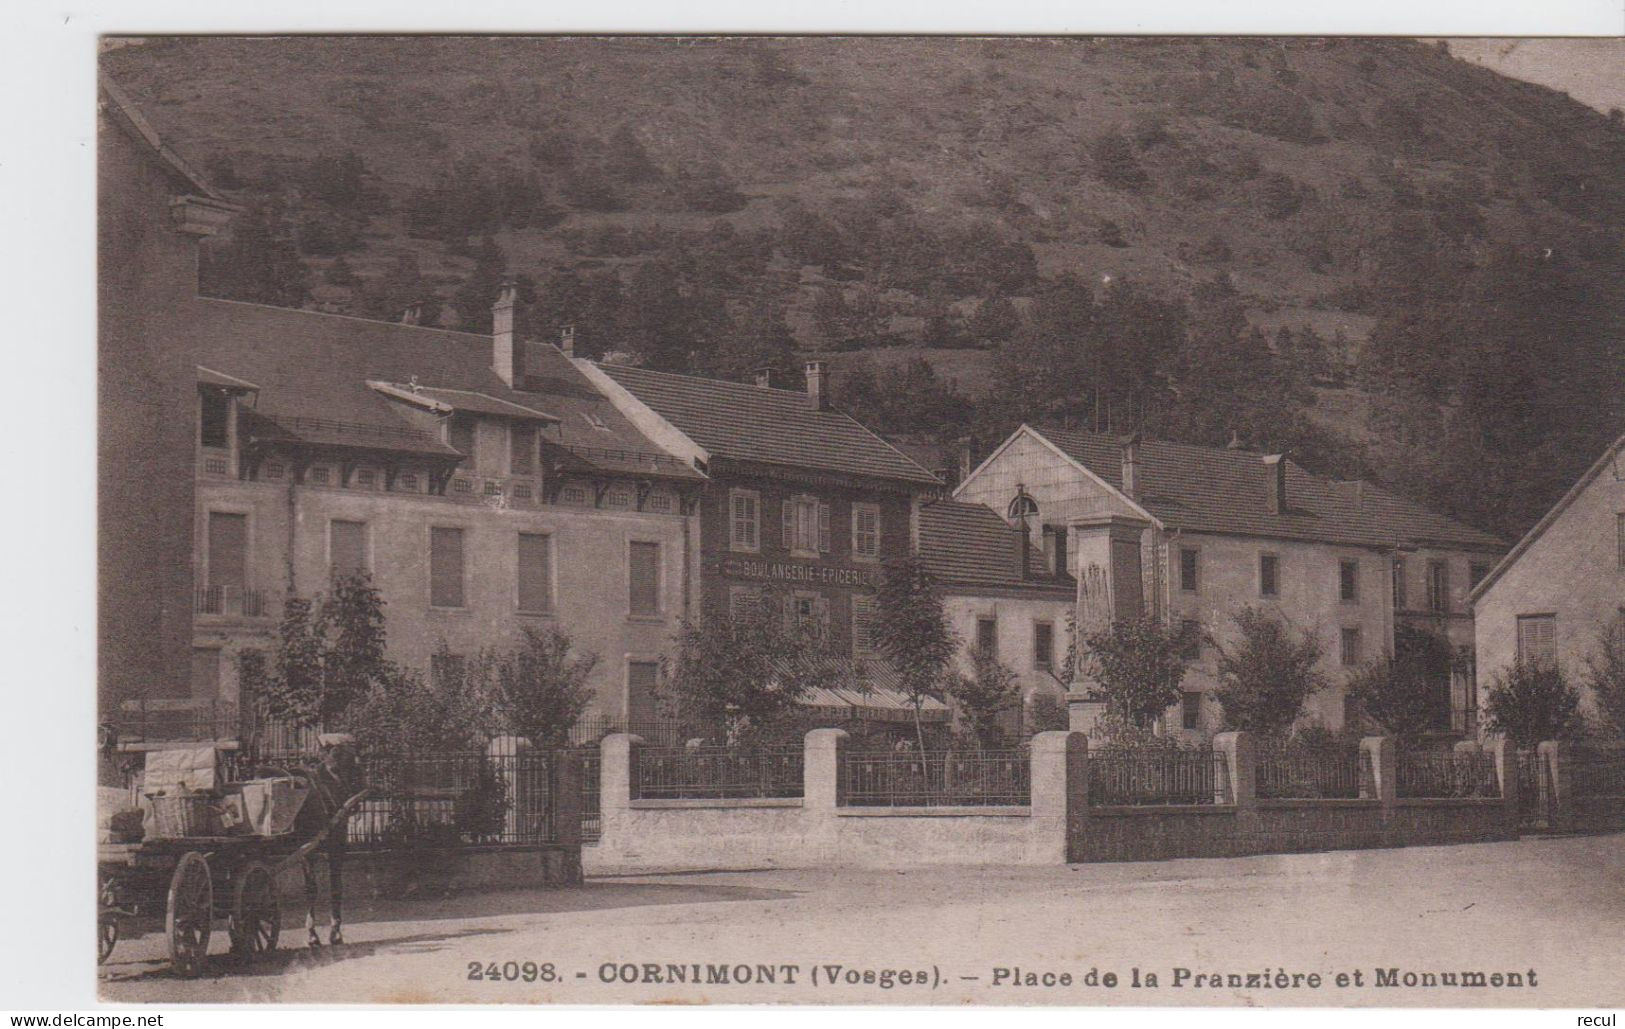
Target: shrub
1139,665
984,695
1532,701
1605,675
1267,674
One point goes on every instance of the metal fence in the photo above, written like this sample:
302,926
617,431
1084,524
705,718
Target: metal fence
1158,776
1534,791
1446,773
711,773
659,733
985,778
592,817
1287,770
159,721
462,797
1597,771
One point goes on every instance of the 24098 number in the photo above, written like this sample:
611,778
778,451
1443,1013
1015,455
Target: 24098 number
512,971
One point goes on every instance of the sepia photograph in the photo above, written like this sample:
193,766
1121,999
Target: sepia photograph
1120,521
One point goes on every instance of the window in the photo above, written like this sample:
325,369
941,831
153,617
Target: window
522,449
460,434
1055,550
1438,586
1044,646
1191,630
1269,580
1188,580
446,670
744,520
810,611
346,548
228,549
1399,584
445,567
1351,646
1537,638
214,418
863,627
866,531
642,683
806,526
644,580
987,634
1348,581
535,571
1190,709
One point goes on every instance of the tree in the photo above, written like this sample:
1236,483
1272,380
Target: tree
1532,701
746,671
982,696
1139,665
1267,673
259,263
539,690
1605,674
329,654
913,634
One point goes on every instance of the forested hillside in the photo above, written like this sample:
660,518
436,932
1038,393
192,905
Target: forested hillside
1385,260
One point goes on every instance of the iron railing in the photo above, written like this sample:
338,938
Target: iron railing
1445,773
1287,770
1534,791
458,798
984,778
183,720
1158,776
710,773
658,733
592,818
229,600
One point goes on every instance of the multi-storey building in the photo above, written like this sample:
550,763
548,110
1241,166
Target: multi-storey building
1193,534
1561,590
800,499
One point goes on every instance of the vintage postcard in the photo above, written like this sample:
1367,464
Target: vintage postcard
861,520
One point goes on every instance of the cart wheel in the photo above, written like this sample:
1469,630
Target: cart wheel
106,936
256,914
190,916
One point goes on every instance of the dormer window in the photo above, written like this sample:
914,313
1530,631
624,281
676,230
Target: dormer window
214,422
596,422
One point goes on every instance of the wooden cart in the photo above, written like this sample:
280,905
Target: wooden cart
195,884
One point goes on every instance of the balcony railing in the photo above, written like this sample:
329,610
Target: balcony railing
163,720
230,600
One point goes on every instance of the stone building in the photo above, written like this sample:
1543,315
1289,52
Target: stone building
1193,534
1562,588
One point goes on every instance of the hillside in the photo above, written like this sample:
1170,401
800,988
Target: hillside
684,200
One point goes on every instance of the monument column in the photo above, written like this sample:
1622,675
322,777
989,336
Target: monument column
1107,564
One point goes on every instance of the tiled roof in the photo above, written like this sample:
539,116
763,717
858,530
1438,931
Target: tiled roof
313,371
1214,489
969,545
744,422
462,400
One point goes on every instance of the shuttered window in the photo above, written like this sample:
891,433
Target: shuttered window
644,563
1043,646
642,696
866,531
521,449
744,520
806,526
863,627
1269,575
1189,579
1351,646
987,634
1348,581
1190,709
810,612
228,549
1438,586
535,570
1537,638
346,548
445,567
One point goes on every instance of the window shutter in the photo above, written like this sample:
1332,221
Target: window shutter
1537,637
446,567
535,572
644,596
821,617
823,528
347,547
789,540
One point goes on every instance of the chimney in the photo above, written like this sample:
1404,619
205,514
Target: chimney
1131,467
567,340
413,313
1235,441
965,466
503,355
764,377
817,386
1275,465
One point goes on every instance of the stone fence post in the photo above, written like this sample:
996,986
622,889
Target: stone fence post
1557,757
1379,750
566,797
615,792
1241,764
1506,773
821,769
1059,797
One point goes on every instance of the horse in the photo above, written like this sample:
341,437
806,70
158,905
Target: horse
334,776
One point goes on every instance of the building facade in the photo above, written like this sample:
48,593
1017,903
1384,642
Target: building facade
1562,588
1194,534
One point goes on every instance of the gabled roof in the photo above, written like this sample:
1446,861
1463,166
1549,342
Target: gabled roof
220,380
1220,490
447,400
119,104
313,372
967,546
1614,453
742,422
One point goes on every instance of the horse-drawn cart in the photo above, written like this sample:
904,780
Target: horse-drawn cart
191,884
